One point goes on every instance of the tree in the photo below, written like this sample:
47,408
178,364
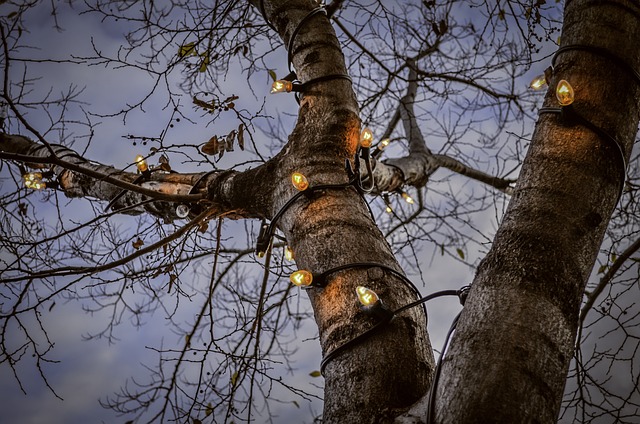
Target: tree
451,82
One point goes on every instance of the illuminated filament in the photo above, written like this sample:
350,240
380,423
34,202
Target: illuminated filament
288,253
299,181
301,278
384,143
407,198
366,138
141,163
564,93
281,86
538,82
367,297
33,180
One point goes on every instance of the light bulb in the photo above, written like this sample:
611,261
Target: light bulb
301,277
366,138
564,93
33,180
367,297
281,86
384,143
407,198
538,82
389,209
299,181
182,211
141,163
288,253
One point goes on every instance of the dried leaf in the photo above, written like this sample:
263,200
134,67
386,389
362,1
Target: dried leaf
211,147
435,28
22,209
273,75
208,410
165,167
188,49
501,14
203,227
172,278
138,243
460,253
163,159
228,145
196,421
221,154
241,136
205,62
234,379
315,373
210,106
443,26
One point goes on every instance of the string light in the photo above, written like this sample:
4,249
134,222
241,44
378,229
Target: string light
564,93
366,138
288,253
299,181
301,277
182,211
281,86
407,198
367,297
33,180
141,164
538,82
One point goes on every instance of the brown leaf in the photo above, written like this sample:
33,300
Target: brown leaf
228,144
241,136
443,26
138,243
211,147
203,227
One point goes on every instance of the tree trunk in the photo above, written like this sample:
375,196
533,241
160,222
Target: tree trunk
387,372
511,351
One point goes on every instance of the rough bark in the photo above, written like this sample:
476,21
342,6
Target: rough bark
525,299
387,372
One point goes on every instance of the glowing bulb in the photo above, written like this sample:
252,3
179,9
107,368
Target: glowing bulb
301,278
367,297
564,93
281,86
384,143
538,82
33,180
288,253
141,163
407,198
299,181
388,209
182,211
366,138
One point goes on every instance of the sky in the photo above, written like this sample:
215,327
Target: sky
93,370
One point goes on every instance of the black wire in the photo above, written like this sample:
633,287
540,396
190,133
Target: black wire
598,51
569,113
298,28
303,86
264,16
438,370
388,317
360,337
